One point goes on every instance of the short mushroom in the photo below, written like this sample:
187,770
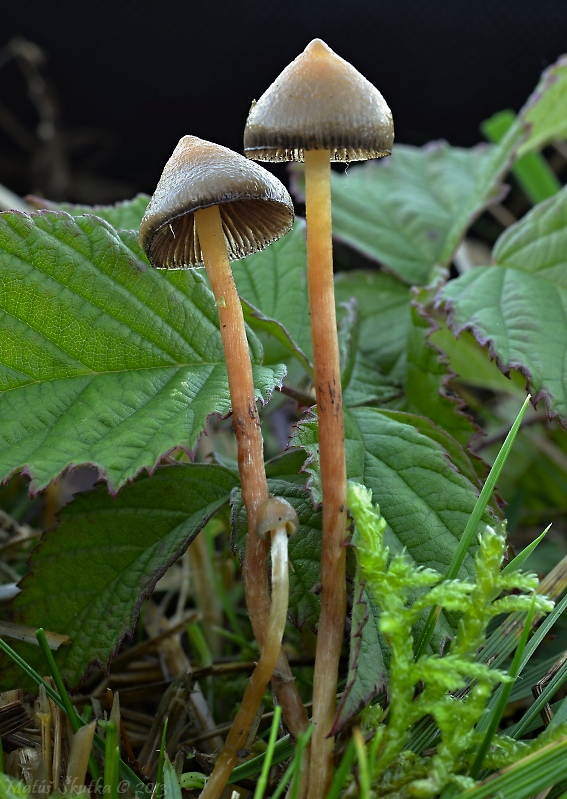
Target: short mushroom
321,109
276,521
212,205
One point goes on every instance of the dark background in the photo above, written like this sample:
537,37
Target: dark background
94,113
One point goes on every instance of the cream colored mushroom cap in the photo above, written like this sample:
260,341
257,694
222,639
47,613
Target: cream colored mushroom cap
319,102
255,207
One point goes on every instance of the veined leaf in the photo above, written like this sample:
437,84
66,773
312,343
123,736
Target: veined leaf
518,306
400,210
383,309
426,488
103,360
417,473
89,576
125,215
273,287
428,374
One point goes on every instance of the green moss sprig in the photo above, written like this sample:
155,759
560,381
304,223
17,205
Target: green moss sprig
454,688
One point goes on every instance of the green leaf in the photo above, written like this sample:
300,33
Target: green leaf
125,215
409,465
544,112
89,575
383,311
531,170
400,211
362,382
367,671
273,286
103,359
517,307
428,375
171,787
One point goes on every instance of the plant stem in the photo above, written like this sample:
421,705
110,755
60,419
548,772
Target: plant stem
249,441
332,465
236,739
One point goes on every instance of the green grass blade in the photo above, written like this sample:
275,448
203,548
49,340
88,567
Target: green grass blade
171,787
504,694
126,773
343,771
266,766
293,771
472,524
534,773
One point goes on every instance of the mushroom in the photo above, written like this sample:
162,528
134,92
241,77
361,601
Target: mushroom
276,520
320,109
212,205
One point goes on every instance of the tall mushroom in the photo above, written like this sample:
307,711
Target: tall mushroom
212,205
320,109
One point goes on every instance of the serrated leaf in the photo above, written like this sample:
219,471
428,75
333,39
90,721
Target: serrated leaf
518,306
427,377
125,215
367,670
89,576
103,360
383,310
426,488
410,467
273,286
362,382
400,211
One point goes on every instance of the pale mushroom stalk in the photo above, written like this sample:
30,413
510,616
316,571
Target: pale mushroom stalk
210,207
321,109
332,461
278,518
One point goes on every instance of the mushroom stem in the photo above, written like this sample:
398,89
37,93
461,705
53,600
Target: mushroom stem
332,464
253,695
250,449
246,420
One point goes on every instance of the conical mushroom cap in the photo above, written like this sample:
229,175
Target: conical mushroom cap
255,207
319,102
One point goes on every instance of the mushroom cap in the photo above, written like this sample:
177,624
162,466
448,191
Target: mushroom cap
319,102
274,512
255,207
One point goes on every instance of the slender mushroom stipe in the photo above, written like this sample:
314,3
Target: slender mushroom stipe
321,109
277,520
210,207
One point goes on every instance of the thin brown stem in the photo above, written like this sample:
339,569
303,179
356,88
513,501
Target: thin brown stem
236,738
332,465
248,433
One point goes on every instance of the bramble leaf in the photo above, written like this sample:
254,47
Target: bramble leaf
273,287
518,306
400,211
89,576
103,360
125,215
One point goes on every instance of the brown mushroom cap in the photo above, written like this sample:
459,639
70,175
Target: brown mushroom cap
255,207
275,512
319,102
